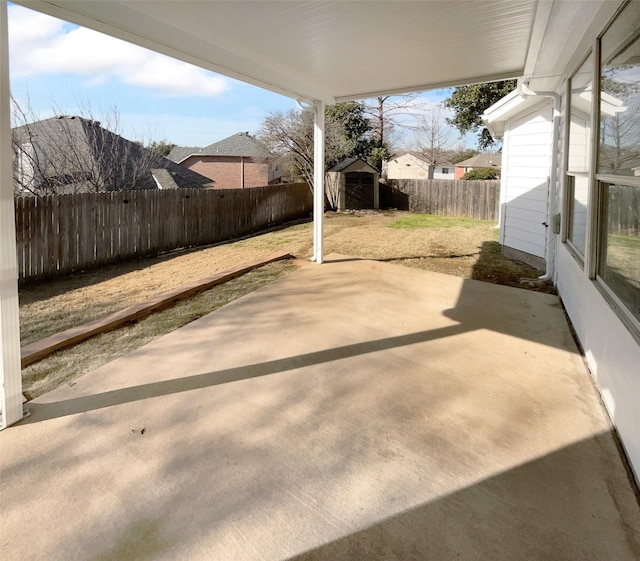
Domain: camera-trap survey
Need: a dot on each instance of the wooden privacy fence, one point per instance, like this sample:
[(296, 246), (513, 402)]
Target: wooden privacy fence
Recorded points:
[(65, 233), (470, 199)]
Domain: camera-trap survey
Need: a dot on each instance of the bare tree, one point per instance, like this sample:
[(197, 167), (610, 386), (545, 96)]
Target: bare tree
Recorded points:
[(289, 137), (620, 123), (620, 142), (433, 136), (70, 154), (386, 113)]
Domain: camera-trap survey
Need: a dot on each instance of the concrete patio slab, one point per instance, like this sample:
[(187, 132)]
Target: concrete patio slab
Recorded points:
[(355, 410)]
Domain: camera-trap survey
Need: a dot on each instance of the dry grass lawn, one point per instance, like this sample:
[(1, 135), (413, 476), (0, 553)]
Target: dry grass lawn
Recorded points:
[(461, 247)]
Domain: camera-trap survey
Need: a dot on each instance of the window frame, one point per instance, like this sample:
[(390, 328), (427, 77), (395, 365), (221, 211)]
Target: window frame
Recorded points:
[(631, 322), (569, 176), (598, 216)]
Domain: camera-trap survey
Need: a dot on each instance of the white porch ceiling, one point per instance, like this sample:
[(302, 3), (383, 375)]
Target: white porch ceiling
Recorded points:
[(337, 50)]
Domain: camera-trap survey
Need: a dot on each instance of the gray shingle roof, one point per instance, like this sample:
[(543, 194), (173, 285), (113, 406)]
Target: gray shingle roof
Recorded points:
[(240, 144), (237, 145), (344, 164), (179, 153), (482, 161), (184, 177), (164, 178), (99, 149)]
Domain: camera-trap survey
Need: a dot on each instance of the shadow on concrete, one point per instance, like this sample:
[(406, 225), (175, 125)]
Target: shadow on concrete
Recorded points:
[(46, 411), (541, 510), (456, 449), (475, 309)]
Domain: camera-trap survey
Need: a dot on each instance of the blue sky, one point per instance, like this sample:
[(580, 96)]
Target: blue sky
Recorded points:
[(57, 67)]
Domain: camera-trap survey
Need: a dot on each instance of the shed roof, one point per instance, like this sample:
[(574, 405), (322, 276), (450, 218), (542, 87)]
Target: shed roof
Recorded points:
[(347, 163)]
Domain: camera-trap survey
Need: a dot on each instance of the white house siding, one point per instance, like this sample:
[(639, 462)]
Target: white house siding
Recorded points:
[(524, 184), (611, 352), (613, 355), (438, 173)]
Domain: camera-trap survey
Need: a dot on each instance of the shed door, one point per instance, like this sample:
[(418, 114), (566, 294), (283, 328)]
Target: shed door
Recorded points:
[(359, 189)]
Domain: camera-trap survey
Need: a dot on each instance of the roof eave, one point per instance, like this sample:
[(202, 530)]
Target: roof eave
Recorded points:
[(480, 79), (290, 86)]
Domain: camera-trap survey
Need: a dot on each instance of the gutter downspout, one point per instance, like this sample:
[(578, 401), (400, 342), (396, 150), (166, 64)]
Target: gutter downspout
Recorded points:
[(549, 257)]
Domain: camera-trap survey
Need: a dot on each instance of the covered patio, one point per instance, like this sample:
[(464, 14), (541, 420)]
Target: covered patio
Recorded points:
[(358, 410), (312, 63)]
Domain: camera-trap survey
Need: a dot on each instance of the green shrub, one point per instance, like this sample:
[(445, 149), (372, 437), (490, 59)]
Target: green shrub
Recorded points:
[(482, 174)]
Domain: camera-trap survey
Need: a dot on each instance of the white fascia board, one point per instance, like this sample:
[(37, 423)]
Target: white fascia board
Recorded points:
[(560, 52), (196, 154), (88, 14), (502, 105), (494, 118), (543, 14), (510, 106)]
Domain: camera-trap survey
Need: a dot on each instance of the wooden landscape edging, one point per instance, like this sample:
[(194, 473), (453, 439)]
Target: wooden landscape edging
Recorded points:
[(35, 352)]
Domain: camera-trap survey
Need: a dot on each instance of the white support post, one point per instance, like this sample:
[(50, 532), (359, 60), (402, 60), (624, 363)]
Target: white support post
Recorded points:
[(10, 374), (318, 180)]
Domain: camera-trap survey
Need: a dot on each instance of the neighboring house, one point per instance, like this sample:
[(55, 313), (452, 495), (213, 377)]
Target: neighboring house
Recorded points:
[(444, 170), (70, 154), (414, 165), (354, 184), (479, 161), (236, 162)]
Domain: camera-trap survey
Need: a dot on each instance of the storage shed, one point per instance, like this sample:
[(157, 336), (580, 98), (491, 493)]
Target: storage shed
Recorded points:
[(356, 184)]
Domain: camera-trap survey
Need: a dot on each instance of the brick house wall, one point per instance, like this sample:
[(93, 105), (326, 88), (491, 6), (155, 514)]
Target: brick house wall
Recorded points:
[(460, 171), (228, 171)]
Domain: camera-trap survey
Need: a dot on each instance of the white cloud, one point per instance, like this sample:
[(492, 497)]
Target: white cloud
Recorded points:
[(40, 44)]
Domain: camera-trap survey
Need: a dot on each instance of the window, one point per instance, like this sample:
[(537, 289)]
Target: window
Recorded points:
[(618, 187), (619, 248), (579, 157), (620, 96)]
